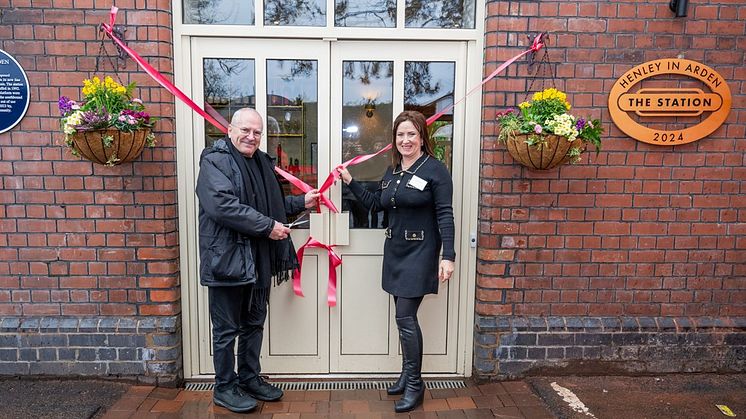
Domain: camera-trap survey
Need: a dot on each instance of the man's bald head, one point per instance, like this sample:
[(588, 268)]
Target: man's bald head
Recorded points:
[(245, 131)]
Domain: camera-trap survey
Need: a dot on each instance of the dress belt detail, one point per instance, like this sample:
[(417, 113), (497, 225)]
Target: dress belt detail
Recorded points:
[(409, 235)]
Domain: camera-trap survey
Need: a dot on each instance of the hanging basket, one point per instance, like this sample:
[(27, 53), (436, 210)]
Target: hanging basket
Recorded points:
[(110, 146), (546, 152)]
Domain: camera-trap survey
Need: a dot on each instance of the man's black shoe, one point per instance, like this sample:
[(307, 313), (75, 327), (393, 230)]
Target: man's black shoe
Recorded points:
[(262, 390), (234, 399)]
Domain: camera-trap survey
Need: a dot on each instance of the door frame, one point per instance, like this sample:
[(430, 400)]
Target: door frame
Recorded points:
[(187, 159)]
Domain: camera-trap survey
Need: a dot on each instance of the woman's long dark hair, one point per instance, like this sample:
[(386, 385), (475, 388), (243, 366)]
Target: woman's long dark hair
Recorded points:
[(420, 123)]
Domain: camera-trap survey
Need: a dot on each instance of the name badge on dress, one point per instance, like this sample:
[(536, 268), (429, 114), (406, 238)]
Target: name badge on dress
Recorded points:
[(417, 183)]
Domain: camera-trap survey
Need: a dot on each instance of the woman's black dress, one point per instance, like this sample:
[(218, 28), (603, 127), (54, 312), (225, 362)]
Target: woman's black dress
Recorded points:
[(418, 203)]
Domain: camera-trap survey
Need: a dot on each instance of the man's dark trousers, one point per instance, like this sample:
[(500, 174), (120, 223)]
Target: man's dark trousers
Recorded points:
[(237, 312)]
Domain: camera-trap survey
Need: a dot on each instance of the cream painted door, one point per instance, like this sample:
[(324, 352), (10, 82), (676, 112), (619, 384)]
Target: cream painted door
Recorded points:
[(326, 102), (287, 82), (372, 82)]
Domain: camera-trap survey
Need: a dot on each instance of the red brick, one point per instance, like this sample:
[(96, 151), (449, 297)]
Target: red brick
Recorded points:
[(118, 309), (159, 309), (161, 296)]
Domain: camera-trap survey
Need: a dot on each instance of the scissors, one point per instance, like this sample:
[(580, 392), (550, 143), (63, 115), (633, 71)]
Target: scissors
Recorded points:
[(298, 221)]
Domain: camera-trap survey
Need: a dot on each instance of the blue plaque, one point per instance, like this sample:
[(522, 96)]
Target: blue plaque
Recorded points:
[(14, 92)]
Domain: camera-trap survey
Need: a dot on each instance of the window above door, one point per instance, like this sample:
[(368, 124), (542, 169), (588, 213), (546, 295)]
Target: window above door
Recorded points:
[(432, 19)]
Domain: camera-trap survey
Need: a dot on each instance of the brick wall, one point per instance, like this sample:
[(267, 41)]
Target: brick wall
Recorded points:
[(639, 231), (89, 263)]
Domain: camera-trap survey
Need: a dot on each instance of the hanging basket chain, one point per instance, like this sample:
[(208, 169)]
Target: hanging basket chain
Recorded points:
[(103, 53), (542, 68)]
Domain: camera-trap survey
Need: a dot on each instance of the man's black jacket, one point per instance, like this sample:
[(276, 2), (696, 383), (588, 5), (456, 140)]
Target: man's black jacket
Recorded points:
[(226, 226)]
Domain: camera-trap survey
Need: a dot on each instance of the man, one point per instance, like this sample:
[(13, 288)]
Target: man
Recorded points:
[(243, 245)]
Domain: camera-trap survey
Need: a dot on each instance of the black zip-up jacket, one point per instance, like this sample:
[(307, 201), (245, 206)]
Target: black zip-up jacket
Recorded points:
[(226, 226)]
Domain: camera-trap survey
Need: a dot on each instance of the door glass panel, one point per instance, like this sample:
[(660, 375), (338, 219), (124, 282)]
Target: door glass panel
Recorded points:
[(292, 119), (447, 14), (219, 12), (428, 88), (228, 87), (367, 107), (365, 13), (295, 13)]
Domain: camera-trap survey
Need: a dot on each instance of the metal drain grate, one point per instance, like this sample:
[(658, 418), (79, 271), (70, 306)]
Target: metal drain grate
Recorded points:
[(338, 385)]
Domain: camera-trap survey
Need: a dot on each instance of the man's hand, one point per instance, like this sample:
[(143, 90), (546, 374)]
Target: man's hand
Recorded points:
[(446, 270), (312, 198), (279, 231)]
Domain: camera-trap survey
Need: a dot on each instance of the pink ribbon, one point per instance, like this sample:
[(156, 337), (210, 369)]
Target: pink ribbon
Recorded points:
[(536, 45), (334, 261), (303, 186), (157, 76), (334, 175)]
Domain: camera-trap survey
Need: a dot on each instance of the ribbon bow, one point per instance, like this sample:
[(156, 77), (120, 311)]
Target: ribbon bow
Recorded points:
[(334, 261)]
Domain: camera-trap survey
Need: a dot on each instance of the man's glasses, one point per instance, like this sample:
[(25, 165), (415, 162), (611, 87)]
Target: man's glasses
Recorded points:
[(248, 131)]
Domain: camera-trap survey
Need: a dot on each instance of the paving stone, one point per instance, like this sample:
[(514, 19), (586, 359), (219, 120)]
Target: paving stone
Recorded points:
[(435, 405), (442, 393), (302, 407), (316, 395), (507, 413), (276, 407), (452, 414), (478, 413), (461, 403), (492, 388), (487, 401), (355, 406)]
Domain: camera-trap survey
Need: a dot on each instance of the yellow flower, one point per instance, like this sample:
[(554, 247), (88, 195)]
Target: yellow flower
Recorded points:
[(110, 84), (524, 105)]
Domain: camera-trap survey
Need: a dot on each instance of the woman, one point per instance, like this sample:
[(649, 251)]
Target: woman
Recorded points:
[(416, 193)]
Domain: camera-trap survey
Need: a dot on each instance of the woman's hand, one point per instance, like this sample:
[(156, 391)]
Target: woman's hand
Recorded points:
[(312, 198), (446, 270), (344, 174)]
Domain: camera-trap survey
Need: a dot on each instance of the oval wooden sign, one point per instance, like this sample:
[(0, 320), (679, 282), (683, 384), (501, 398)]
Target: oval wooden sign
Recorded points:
[(690, 101)]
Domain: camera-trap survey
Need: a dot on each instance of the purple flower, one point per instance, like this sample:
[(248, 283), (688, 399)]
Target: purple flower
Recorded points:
[(580, 124), (94, 120), (537, 129), (65, 105)]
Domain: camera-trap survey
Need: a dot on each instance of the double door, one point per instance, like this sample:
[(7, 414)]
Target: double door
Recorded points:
[(326, 102)]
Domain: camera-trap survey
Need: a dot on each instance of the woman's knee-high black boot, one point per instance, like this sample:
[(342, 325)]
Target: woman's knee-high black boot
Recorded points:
[(398, 386), (411, 344)]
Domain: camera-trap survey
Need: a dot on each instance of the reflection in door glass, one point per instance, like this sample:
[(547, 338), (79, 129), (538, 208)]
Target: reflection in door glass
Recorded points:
[(446, 14), (365, 13), (367, 107), (295, 12), (219, 12), (428, 88), (292, 119), (228, 87)]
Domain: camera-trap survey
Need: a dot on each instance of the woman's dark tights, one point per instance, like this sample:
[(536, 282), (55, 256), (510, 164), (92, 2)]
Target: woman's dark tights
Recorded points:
[(407, 307)]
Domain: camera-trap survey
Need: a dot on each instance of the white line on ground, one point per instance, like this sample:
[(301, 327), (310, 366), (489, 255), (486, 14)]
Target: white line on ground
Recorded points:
[(571, 399)]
